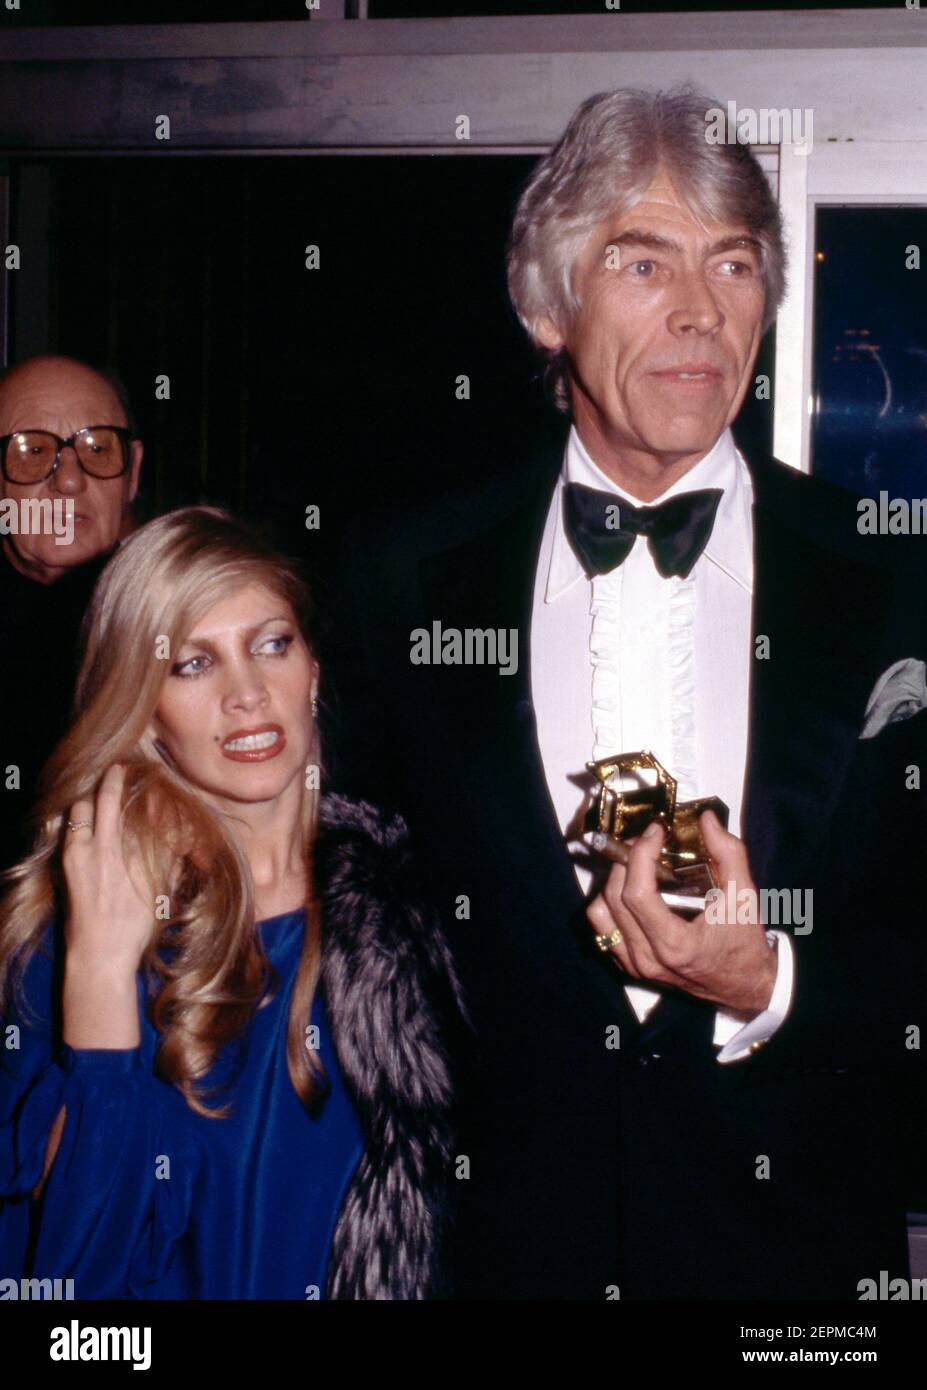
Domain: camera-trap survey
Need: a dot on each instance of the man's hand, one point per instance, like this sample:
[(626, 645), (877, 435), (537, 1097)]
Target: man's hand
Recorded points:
[(729, 964)]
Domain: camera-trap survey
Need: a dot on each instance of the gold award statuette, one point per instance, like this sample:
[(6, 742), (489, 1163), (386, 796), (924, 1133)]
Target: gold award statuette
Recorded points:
[(685, 868)]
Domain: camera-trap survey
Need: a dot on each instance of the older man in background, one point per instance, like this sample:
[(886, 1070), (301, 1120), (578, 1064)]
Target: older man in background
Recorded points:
[(69, 472)]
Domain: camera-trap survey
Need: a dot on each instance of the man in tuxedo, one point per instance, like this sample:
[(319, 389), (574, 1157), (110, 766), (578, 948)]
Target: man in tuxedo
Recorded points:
[(655, 1107)]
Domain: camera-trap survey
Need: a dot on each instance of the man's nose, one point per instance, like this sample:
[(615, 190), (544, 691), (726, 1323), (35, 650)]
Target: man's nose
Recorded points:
[(69, 478), (697, 310)]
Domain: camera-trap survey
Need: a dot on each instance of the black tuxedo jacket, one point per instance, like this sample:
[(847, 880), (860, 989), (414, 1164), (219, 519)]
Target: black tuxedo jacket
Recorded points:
[(649, 1167)]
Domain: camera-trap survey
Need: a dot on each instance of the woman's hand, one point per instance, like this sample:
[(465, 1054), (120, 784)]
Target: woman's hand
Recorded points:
[(111, 909)]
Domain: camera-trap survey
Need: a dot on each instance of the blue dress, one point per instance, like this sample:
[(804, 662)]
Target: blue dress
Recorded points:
[(147, 1199)]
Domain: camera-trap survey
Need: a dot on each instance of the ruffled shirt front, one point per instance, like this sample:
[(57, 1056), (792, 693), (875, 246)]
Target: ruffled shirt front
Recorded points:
[(648, 633), (631, 660), (146, 1198)]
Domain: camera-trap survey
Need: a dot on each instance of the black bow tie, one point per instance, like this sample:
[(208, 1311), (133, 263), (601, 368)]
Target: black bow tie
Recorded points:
[(602, 528)]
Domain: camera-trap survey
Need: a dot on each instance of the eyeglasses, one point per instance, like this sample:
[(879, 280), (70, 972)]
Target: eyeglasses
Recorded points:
[(31, 456)]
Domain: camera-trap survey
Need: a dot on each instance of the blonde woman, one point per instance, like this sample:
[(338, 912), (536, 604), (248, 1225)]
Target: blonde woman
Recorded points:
[(222, 1067)]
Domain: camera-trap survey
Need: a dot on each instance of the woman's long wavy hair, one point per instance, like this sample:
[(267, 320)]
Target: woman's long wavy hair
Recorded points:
[(204, 965)]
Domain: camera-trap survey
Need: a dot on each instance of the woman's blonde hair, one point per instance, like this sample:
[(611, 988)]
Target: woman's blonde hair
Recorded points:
[(206, 955)]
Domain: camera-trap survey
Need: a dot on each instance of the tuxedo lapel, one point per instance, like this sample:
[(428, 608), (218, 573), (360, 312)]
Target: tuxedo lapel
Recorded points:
[(823, 614), (487, 581)]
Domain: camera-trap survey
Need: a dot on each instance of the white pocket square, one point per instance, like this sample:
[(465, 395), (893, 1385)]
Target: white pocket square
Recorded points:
[(898, 693)]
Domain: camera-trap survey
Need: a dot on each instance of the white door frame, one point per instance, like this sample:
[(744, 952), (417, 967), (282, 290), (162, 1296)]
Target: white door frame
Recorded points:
[(854, 173)]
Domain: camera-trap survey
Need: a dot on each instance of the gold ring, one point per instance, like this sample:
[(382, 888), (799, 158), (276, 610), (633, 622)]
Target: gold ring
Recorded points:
[(605, 943), (80, 824)]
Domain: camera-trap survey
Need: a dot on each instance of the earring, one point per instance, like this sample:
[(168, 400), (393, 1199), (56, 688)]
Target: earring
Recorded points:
[(315, 707)]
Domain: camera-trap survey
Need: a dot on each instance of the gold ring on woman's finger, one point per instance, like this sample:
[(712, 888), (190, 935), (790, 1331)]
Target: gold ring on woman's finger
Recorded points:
[(605, 943), (80, 824)]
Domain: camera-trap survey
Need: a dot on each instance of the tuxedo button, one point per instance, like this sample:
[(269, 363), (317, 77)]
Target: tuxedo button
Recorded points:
[(647, 1058)]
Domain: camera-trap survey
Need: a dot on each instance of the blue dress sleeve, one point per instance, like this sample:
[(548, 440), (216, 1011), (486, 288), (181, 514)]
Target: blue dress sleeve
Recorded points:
[(119, 1194)]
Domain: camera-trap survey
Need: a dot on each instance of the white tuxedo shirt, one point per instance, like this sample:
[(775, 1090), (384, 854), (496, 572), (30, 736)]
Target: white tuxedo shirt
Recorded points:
[(630, 660)]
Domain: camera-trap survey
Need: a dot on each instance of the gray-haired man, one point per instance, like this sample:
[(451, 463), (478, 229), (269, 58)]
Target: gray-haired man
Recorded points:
[(679, 1109)]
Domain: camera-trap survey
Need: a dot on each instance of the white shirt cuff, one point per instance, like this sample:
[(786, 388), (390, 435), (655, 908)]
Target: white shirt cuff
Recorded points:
[(737, 1039), (734, 1037)]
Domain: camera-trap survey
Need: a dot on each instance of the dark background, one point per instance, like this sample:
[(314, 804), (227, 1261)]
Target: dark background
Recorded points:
[(870, 350), (291, 386)]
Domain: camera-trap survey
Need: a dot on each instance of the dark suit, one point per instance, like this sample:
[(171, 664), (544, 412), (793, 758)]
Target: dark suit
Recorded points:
[(39, 637), (591, 1166)]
